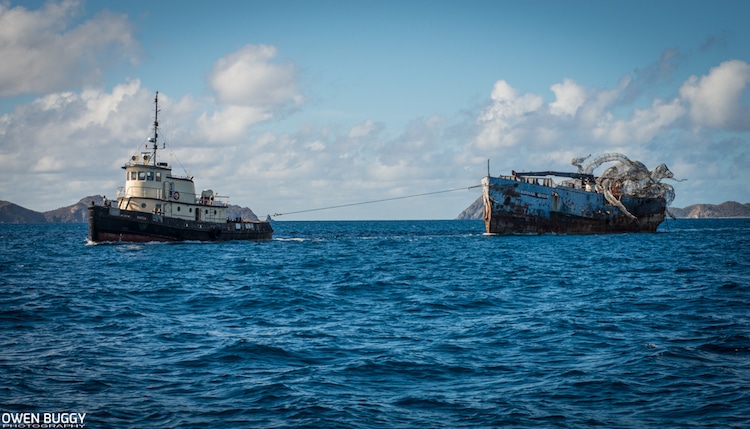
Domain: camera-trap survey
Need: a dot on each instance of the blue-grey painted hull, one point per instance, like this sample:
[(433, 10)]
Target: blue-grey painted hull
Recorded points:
[(515, 206)]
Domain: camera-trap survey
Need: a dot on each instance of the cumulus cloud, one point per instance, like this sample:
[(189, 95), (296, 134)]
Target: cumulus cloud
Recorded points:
[(46, 50), (365, 129), (642, 126), (502, 120), (248, 77), (507, 103), (607, 117), (250, 88), (231, 122), (67, 144), (73, 123), (569, 98), (716, 99)]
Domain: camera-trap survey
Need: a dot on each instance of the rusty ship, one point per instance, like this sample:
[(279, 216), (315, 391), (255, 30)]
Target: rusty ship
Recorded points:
[(157, 205), (626, 197)]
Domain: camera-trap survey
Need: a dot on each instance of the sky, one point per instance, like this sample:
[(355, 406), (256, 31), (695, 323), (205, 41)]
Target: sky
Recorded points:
[(291, 106)]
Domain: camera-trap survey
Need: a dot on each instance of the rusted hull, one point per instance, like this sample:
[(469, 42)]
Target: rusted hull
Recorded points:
[(514, 207), (107, 224)]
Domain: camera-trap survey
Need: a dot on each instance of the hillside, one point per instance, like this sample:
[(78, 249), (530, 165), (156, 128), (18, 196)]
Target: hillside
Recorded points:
[(78, 212), (474, 212), (12, 213), (728, 209), (723, 210)]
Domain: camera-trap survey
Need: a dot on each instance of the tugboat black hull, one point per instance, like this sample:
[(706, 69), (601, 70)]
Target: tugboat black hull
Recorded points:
[(110, 224)]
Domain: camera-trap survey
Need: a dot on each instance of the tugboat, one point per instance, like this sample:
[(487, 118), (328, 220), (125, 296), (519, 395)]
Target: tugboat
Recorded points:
[(155, 205), (627, 197)]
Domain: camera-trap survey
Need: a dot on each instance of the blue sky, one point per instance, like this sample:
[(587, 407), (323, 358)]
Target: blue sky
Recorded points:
[(292, 105)]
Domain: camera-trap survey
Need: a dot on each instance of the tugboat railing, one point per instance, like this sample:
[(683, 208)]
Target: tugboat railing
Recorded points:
[(140, 192), (159, 194)]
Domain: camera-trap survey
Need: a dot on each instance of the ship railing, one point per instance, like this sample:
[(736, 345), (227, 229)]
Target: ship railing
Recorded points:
[(221, 200), (141, 192), (214, 201), (544, 181)]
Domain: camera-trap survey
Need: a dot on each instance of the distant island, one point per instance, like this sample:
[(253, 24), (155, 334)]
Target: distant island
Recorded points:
[(78, 212), (728, 209)]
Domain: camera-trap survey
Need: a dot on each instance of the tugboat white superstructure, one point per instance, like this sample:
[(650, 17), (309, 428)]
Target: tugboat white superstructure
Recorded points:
[(156, 205)]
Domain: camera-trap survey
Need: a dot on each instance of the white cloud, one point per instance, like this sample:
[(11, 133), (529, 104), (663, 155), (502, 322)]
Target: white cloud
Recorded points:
[(502, 122), (642, 126), (315, 146), (49, 145), (569, 98), (365, 129), (597, 111), (507, 104), (250, 88), (591, 119), (44, 50), (231, 123), (101, 106), (716, 99), (249, 78), (69, 123)]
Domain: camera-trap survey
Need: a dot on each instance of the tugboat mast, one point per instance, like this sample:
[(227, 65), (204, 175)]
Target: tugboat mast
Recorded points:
[(155, 138)]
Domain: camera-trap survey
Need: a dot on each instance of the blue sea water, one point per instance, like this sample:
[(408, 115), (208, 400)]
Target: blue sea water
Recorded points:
[(385, 324)]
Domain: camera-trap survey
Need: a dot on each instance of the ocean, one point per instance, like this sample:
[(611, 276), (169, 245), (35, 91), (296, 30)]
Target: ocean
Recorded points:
[(382, 324)]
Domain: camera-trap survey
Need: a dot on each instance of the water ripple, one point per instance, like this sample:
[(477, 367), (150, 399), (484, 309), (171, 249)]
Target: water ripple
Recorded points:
[(381, 324)]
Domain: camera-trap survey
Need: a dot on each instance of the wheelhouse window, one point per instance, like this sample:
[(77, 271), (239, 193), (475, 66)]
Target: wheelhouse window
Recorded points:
[(133, 175), (141, 175), (150, 176), (158, 176)]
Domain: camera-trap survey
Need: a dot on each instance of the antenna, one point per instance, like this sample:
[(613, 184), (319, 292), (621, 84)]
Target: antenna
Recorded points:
[(155, 138)]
